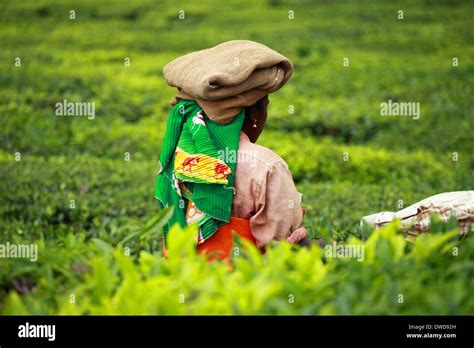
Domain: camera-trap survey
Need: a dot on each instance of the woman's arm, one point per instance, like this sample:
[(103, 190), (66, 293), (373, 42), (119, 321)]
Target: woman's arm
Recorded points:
[(278, 206)]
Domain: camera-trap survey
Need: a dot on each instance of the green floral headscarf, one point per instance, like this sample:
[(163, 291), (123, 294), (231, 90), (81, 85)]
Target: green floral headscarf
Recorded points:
[(198, 161)]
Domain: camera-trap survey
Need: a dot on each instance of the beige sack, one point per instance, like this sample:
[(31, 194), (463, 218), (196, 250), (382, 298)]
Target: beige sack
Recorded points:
[(416, 218), (227, 77)]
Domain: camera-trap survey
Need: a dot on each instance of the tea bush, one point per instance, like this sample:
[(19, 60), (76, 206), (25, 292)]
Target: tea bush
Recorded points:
[(390, 276)]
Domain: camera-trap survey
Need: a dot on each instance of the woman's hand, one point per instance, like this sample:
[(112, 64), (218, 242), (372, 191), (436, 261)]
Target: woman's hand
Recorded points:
[(297, 235)]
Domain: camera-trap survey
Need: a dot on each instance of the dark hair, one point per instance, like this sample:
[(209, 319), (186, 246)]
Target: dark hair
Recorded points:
[(260, 104)]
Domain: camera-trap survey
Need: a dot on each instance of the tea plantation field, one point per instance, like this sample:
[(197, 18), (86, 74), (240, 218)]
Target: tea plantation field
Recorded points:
[(77, 186)]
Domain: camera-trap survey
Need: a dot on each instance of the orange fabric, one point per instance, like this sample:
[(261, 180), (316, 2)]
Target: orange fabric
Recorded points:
[(163, 248), (220, 245)]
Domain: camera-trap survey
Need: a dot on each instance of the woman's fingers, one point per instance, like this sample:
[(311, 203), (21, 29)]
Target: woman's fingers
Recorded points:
[(297, 235)]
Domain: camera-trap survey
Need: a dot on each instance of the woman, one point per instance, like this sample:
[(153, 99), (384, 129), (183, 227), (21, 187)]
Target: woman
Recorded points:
[(212, 172)]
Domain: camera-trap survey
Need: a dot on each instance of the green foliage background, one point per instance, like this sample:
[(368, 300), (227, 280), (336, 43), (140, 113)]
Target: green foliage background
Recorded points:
[(336, 111)]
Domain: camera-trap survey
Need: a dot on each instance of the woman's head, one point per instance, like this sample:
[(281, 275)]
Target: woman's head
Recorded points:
[(255, 118)]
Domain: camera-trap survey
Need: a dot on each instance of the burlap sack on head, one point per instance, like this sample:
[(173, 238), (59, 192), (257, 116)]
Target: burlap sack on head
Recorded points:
[(227, 77)]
